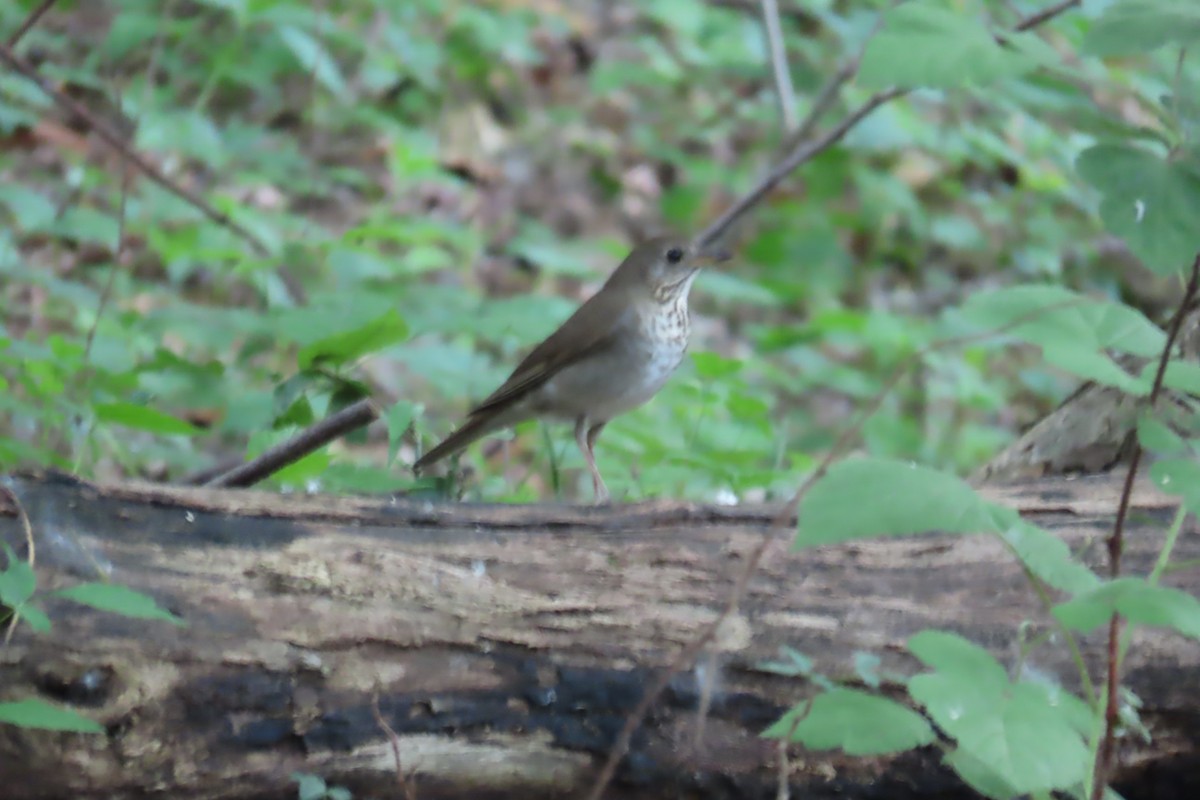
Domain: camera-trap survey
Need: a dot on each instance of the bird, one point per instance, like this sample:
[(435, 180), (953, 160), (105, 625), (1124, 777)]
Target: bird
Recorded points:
[(611, 356)]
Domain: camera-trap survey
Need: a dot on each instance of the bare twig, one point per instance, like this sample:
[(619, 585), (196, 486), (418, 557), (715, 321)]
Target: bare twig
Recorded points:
[(779, 64), (203, 476), (1116, 542), (831, 90), (29, 22), (407, 789), (1045, 15), (801, 155), (806, 150), (126, 178), (352, 417)]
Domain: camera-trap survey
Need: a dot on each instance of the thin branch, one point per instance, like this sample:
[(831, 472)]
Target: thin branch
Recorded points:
[(805, 150), (352, 417), (832, 89), (801, 155), (1045, 15), (407, 790), (29, 22), (203, 476), (106, 294), (1116, 543), (779, 64)]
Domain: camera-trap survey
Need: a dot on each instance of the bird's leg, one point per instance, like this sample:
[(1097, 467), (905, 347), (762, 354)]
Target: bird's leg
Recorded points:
[(586, 439)]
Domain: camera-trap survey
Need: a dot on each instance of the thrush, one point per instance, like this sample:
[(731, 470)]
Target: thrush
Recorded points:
[(611, 356)]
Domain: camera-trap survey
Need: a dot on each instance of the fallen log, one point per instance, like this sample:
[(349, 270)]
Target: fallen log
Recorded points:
[(506, 645)]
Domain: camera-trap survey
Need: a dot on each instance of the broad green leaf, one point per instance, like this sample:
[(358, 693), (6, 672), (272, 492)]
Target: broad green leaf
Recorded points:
[(954, 655), (860, 723), (1048, 557), (1157, 437), (979, 775), (1028, 736), (866, 497), (1179, 477), (925, 45), (1053, 316), (351, 345), (1137, 601), (119, 600), (1151, 203), (43, 716), (1139, 26), (1181, 375), (1093, 365), (132, 415)]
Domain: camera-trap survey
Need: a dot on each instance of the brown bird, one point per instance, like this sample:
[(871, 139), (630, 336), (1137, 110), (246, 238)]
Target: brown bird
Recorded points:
[(612, 355)]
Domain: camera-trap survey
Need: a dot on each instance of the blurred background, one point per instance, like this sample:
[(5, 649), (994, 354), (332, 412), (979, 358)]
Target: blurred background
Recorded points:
[(462, 174)]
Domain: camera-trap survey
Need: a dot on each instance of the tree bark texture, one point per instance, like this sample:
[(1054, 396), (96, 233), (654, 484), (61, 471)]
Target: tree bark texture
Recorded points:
[(506, 645)]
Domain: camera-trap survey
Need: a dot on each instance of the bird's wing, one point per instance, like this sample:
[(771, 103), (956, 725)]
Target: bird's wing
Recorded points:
[(594, 326)]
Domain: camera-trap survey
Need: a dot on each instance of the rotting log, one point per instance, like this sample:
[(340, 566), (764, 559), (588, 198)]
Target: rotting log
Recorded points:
[(507, 644)]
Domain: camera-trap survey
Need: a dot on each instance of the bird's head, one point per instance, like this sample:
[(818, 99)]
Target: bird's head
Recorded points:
[(664, 266)]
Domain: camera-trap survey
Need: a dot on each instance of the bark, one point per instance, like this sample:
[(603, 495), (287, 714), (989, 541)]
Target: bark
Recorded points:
[(507, 644)]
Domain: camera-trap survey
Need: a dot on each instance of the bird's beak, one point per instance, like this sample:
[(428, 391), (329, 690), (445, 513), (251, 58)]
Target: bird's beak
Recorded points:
[(711, 256)]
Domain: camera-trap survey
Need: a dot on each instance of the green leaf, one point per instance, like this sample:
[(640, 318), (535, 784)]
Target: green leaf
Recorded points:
[(1048, 557), (119, 600), (1136, 600), (1027, 734), (17, 582), (34, 617), (1093, 365), (1053, 316), (398, 418), (340, 348), (1179, 477), (143, 418), (867, 497), (43, 716), (1149, 202), (1183, 376), (1139, 26), (924, 45), (857, 722), (1157, 437)]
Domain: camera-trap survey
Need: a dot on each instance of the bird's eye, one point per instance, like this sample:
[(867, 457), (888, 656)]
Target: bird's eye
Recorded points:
[(674, 255)]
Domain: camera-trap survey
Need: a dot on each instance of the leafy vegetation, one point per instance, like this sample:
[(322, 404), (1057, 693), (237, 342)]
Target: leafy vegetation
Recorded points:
[(394, 200)]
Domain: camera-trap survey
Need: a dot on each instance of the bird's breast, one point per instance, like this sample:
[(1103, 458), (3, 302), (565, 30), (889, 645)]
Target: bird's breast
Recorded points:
[(626, 375)]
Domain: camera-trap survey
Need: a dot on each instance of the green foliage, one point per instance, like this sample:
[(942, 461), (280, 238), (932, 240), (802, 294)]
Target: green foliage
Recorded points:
[(43, 716), (921, 44), (1018, 737), (19, 600), (859, 723), (444, 183), (119, 600)]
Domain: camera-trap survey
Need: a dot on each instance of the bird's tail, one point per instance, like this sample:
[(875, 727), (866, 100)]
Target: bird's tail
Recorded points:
[(476, 427)]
